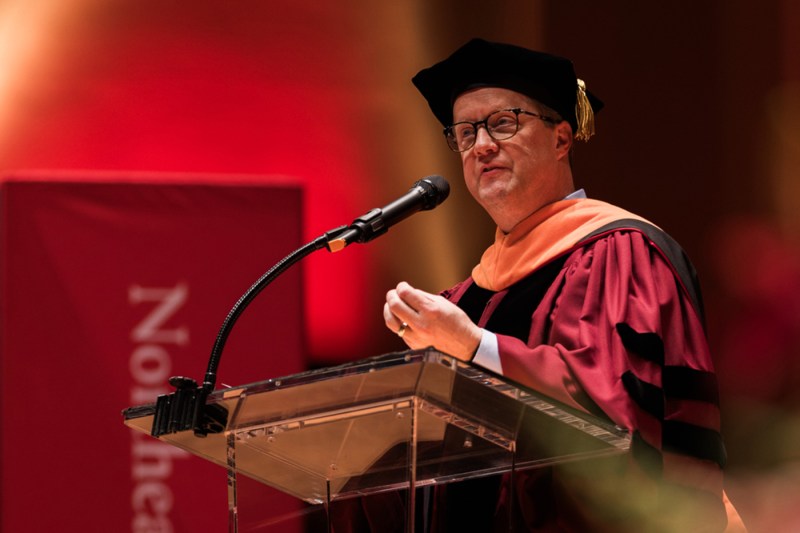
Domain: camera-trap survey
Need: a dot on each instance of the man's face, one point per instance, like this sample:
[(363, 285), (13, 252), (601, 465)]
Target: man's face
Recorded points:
[(513, 178)]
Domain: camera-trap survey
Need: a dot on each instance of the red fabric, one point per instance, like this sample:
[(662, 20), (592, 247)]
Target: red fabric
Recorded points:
[(575, 355), (109, 287), (573, 349)]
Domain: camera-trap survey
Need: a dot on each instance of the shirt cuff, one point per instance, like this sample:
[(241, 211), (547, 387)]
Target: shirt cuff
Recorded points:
[(488, 354)]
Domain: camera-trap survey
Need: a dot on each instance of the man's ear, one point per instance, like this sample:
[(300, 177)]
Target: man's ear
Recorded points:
[(564, 139)]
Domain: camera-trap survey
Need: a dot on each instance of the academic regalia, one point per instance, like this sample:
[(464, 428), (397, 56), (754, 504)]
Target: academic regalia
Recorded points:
[(611, 323)]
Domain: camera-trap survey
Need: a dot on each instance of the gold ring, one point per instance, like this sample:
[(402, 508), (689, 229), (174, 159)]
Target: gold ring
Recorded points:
[(402, 330)]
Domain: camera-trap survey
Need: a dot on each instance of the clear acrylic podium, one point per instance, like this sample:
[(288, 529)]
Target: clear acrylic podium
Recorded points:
[(392, 422)]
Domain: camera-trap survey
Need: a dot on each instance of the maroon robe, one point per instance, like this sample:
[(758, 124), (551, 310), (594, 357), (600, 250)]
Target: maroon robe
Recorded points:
[(614, 327)]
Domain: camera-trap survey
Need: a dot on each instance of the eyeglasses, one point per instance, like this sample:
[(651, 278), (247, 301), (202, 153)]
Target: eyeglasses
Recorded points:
[(500, 125)]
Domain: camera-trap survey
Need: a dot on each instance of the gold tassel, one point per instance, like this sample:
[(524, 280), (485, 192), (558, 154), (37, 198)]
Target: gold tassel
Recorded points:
[(583, 114)]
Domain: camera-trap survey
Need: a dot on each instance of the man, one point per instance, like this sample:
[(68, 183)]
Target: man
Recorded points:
[(577, 299)]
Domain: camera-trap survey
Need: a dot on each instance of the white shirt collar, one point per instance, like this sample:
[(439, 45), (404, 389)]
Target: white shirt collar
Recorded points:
[(580, 193)]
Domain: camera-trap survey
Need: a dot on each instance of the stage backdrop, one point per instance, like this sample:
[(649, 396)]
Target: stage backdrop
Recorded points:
[(110, 285)]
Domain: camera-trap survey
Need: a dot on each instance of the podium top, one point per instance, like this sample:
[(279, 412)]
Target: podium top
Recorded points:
[(379, 423)]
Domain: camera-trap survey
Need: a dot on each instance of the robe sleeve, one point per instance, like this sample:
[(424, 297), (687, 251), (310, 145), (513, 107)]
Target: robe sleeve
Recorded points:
[(617, 333)]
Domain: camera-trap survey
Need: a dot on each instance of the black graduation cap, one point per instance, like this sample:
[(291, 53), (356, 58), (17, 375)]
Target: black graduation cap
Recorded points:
[(544, 77)]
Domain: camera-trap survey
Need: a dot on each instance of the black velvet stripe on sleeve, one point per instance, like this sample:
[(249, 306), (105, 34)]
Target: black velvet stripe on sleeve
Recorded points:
[(648, 397), (646, 345), (685, 383), (689, 439), (676, 436), (677, 383)]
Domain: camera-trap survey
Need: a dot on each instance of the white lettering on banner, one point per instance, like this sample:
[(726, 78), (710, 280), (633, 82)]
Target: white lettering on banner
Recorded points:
[(150, 365), (169, 300)]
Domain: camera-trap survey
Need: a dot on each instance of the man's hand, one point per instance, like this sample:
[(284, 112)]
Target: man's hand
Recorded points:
[(430, 320)]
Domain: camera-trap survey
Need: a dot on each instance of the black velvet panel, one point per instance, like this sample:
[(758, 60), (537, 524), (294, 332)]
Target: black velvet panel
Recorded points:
[(513, 313)]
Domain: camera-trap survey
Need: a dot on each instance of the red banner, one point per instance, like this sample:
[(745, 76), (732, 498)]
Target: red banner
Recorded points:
[(110, 285)]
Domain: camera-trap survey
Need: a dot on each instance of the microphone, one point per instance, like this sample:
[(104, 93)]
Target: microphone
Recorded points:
[(425, 194)]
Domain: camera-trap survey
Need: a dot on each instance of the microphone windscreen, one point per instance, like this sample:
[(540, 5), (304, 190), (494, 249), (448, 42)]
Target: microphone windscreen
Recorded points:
[(436, 190)]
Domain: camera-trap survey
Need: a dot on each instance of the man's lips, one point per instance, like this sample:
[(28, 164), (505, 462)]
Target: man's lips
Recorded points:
[(491, 169)]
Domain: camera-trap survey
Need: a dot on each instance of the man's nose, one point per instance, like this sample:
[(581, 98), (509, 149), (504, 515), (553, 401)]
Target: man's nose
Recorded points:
[(483, 141)]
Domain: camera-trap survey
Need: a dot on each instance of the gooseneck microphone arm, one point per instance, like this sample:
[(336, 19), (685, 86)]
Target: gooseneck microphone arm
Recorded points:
[(186, 408), (425, 194), (250, 295)]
